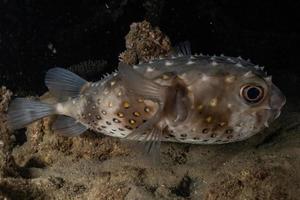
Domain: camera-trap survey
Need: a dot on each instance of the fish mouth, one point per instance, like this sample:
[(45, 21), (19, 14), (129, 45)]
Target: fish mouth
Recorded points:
[(276, 113), (278, 100)]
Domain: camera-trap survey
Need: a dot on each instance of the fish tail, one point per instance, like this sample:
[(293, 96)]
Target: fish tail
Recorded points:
[(23, 111)]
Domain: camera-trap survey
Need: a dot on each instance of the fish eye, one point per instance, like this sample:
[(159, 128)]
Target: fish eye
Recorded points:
[(252, 93)]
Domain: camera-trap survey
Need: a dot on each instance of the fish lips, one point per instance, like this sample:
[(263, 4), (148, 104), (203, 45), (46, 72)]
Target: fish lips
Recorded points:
[(277, 101)]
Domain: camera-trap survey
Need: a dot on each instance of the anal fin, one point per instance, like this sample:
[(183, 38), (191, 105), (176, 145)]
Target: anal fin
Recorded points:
[(68, 126)]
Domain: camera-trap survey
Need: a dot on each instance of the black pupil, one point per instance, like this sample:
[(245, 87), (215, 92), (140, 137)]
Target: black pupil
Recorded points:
[(253, 93)]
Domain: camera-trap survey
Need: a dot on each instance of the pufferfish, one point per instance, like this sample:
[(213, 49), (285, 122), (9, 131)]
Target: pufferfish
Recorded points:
[(182, 98)]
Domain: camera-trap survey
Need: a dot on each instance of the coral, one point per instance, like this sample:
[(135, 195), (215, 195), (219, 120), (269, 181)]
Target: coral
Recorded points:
[(144, 42), (7, 163), (5, 137)]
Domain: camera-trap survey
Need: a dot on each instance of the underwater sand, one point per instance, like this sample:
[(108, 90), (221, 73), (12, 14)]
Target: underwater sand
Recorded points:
[(38, 164)]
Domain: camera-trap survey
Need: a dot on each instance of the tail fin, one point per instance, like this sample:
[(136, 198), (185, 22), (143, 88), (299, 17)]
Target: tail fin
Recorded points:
[(22, 112)]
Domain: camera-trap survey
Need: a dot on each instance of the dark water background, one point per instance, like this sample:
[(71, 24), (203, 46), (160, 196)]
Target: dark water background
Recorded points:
[(267, 32)]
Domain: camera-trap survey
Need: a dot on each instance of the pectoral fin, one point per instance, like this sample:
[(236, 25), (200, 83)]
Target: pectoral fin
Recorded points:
[(148, 135), (148, 138), (140, 85), (148, 143)]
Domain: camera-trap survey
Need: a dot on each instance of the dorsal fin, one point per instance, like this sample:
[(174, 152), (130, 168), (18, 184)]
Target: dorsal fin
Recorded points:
[(63, 83)]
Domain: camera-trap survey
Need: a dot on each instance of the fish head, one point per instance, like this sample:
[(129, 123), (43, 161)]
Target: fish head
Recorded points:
[(259, 97), (240, 103)]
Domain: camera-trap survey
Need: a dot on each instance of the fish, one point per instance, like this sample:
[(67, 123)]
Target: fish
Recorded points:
[(184, 98)]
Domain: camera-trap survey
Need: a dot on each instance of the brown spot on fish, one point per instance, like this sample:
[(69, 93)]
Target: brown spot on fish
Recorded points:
[(140, 100), (171, 135), (108, 123), (200, 107), (209, 119), (213, 135), (120, 114), (121, 129), (98, 117), (213, 102), (229, 137), (112, 83), (228, 131), (126, 104), (132, 121), (106, 92), (102, 126), (183, 135), (116, 120), (103, 112), (222, 124), (136, 114), (147, 109), (110, 105), (205, 130)]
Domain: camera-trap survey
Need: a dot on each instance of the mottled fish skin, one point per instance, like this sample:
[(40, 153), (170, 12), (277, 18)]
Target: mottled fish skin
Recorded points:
[(183, 98), (208, 91), (109, 108)]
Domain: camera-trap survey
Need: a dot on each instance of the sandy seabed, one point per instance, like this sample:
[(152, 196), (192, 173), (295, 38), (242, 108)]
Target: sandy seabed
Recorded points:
[(37, 164)]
